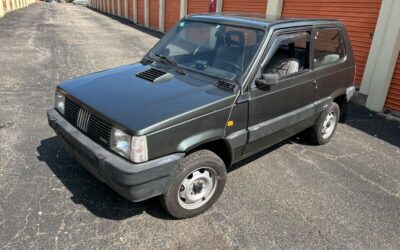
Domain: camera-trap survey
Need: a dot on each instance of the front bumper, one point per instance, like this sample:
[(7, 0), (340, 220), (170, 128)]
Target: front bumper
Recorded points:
[(136, 182)]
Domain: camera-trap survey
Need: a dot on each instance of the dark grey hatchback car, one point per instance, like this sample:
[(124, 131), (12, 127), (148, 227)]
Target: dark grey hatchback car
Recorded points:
[(213, 91)]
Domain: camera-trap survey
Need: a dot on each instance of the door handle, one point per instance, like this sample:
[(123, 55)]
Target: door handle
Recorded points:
[(315, 84)]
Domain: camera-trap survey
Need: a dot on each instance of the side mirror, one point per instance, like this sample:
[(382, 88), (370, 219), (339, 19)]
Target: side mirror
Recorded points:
[(267, 80)]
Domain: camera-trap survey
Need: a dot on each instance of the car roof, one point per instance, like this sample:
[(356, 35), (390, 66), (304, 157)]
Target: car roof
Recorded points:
[(255, 20)]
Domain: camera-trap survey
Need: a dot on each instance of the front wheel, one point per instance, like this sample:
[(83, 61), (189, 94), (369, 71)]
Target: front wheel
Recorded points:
[(326, 125), (196, 185)]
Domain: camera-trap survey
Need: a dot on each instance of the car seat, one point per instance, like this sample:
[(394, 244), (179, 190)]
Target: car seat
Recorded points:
[(231, 52), (284, 62)]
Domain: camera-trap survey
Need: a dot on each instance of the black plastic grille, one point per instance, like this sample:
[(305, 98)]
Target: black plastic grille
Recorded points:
[(97, 129)]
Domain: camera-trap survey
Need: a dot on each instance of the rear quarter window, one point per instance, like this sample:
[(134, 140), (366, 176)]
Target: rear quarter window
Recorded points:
[(328, 47)]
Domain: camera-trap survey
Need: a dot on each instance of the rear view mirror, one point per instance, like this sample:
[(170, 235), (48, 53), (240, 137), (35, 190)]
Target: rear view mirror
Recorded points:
[(267, 80)]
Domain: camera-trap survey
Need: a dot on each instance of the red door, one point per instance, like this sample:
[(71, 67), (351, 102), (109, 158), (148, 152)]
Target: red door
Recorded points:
[(153, 13), (359, 17), (393, 96), (172, 9), (198, 6), (130, 9), (109, 6), (116, 7), (254, 6), (122, 4), (140, 11)]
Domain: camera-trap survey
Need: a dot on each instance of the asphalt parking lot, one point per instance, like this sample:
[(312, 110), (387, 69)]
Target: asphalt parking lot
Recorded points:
[(345, 194)]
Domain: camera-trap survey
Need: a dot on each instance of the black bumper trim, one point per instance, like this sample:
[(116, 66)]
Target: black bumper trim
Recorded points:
[(136, 182)]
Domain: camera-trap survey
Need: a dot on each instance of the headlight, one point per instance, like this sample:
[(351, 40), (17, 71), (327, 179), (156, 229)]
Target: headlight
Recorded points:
[(130, 147), (60, 102), (120, 142)]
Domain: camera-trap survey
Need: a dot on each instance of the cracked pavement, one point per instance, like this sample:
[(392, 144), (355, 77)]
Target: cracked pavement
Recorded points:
[(345, 194)]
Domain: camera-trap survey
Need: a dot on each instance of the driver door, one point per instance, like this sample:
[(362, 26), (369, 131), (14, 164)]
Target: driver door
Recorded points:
[(285, 108)]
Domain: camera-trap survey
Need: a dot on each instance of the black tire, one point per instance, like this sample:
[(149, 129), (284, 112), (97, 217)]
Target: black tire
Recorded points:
[(317, 135), (202, 159)]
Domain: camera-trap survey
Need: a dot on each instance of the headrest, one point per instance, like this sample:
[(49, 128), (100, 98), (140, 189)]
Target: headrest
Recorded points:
[(235, 38)]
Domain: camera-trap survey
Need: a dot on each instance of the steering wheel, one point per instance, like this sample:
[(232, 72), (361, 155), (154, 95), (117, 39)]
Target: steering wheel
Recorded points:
[(232, 65)]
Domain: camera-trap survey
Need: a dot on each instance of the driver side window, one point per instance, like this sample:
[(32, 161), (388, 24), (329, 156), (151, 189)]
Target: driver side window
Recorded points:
[(291, 55)]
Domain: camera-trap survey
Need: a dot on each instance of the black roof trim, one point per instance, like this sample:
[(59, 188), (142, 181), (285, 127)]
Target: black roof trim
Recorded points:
[(254, 20)]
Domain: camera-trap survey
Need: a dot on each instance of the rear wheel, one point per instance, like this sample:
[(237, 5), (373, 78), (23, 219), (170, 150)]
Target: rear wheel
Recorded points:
[(326, 125), (196, 185)]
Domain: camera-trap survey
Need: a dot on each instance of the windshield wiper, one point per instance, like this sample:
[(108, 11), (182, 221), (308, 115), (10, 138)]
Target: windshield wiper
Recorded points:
[(171, 63), (228, 85)]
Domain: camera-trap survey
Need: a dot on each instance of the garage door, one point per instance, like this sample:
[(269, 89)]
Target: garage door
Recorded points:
[(171, 13), (153, 17), (393, 97), (116, 7), (254, 6), (359, 16), (122, 4), (130, 9), (140, 11), (198, 6)]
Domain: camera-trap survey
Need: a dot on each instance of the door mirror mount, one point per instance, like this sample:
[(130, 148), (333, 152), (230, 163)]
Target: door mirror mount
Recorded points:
[(267, 80)]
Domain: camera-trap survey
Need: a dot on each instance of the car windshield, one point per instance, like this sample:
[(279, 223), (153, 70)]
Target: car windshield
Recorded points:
[(217, 50)]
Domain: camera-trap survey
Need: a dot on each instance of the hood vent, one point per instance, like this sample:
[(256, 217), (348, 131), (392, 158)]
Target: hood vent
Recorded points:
[(154, 75)]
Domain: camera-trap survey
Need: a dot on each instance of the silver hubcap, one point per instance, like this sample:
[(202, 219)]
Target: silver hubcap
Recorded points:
[(329, 125), (197, 188)]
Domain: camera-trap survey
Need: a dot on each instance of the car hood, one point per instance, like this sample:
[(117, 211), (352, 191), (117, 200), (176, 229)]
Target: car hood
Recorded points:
[(142, 106)]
